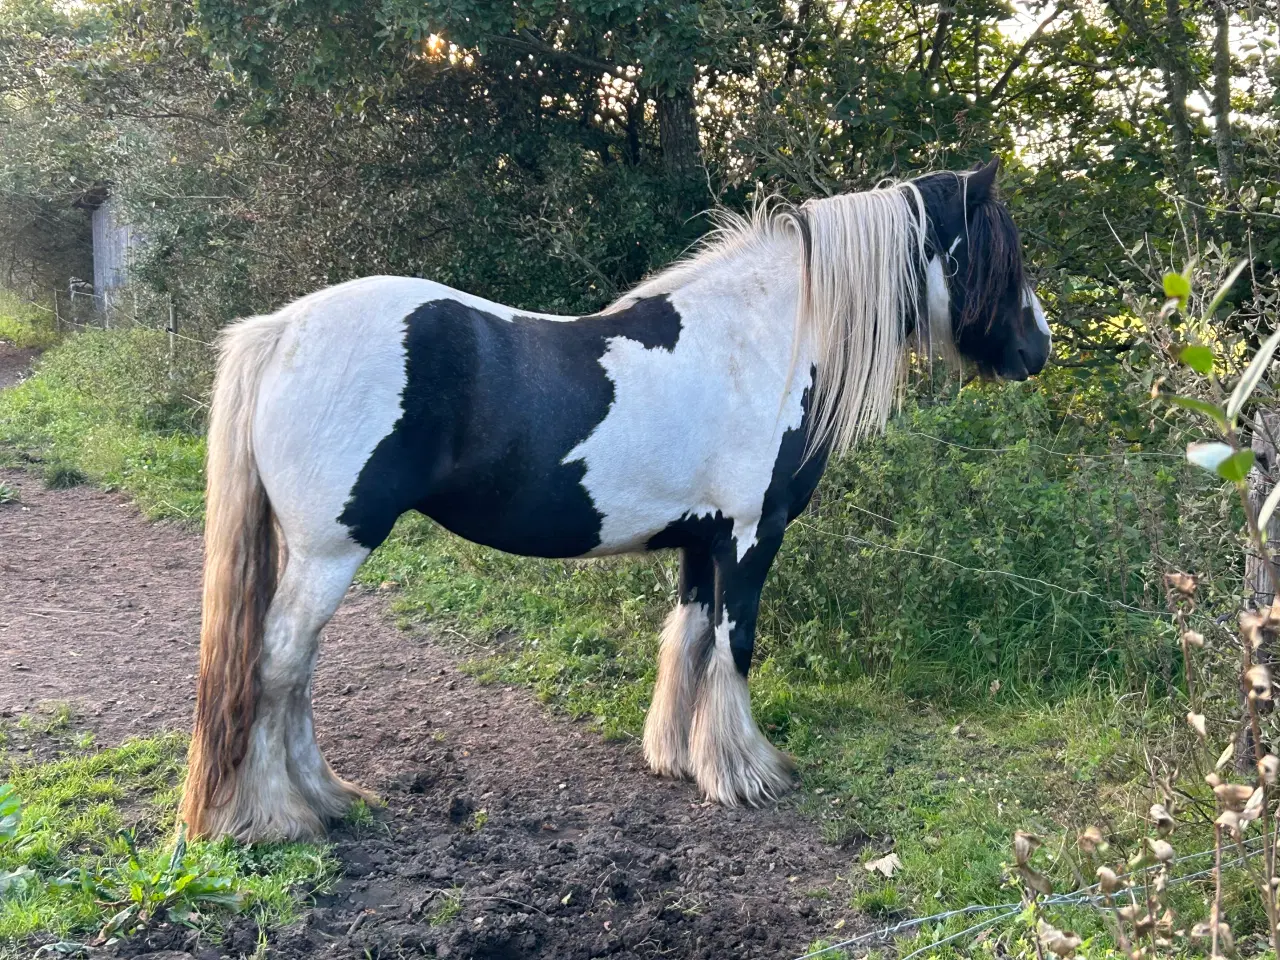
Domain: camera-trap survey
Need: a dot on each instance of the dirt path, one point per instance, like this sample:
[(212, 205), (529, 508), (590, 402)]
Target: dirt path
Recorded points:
[(583, 853), (14, 363)]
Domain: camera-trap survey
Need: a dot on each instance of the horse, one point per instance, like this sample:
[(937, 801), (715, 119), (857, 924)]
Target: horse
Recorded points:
[(696, 413)]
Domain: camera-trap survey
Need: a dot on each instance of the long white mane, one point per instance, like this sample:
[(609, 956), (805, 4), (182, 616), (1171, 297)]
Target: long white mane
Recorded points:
[(861, 259)]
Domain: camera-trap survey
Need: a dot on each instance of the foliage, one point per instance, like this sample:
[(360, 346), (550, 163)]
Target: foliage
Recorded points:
[(104, 405), (460, 139), (179, 889), (1200, 788), (25, 325), (91, 851)]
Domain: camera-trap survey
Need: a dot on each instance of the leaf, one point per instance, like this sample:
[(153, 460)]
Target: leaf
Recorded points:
[(1269, 507), (1198, 357), (1177, 287), (15, 881), (1208, 455), (886, 866), (10, 812), (1210, 410), (1236, 467), (1252, 374), (1225, 757), (1225, 289)]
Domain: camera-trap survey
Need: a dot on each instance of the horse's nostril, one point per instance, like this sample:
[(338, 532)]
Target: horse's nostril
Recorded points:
[(1033, 359)]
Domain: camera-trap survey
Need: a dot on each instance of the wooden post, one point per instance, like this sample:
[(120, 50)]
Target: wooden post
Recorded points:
[(57, 317), (1259, 584), (173, 330)]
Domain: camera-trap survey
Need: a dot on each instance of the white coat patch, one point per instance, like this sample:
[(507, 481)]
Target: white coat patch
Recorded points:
[(939, 299), (1029, 299), (684, 434)]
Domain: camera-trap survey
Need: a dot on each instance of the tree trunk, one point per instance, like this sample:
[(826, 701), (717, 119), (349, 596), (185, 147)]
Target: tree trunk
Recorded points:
[(945, 13), (1177, 85), (678, 134), (1222, 95)]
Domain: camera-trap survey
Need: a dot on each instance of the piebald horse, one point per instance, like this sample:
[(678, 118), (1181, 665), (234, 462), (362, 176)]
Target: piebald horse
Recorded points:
[(696, 414)]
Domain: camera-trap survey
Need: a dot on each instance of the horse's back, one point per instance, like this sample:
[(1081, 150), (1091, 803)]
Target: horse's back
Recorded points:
[(517, 430)]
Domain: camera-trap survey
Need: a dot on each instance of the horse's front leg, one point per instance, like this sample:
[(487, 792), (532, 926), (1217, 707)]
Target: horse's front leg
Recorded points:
[(733, 762), (686, 641)]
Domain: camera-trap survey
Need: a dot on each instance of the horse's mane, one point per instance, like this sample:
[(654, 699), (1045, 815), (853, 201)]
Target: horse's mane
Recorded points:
[(995, 262), (862, 255)]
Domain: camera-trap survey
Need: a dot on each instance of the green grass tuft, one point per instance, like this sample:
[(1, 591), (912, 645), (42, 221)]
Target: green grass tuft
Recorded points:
[(95, 831), (25, 325), (63, 476)]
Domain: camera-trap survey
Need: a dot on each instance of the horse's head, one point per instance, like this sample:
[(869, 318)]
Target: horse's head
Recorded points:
[(977, 294)]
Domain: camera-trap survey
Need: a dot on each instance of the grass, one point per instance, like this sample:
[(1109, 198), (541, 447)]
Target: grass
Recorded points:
[(103, 407), (944, 785), (936, 694), (83, 809), (25, 325)]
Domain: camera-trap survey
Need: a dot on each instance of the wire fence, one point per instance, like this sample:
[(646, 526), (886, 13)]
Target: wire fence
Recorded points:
[(1019, 580), (1086, 896)]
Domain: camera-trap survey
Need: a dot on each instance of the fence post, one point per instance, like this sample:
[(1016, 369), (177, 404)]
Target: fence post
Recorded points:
[(57, 317), (1256, 579), (173, 331)]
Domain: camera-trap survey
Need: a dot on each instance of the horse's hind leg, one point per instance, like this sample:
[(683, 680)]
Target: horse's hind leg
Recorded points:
[(286, 789), (686, 641)]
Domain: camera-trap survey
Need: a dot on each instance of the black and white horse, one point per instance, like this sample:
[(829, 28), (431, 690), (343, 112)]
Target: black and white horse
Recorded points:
[(696, 414)]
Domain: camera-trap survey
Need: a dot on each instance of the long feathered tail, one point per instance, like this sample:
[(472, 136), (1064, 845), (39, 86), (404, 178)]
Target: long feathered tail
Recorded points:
[(242, 557)]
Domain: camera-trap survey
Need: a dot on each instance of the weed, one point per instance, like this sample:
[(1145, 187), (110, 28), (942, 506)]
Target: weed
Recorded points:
[(61, 475), (94, 843), (8, 494), (10, 813), (359, 815), (881, 901), (181, 888), (478, 821), (450, 906)]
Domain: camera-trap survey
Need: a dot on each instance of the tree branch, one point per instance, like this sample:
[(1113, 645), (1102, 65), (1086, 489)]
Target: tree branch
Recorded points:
[(1021, 55), (534, 45), (945, 14)]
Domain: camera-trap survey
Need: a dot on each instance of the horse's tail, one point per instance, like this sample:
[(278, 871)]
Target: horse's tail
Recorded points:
[(240, 568)]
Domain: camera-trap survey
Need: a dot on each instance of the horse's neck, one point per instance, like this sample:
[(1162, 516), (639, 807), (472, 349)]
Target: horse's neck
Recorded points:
[(752, 292)]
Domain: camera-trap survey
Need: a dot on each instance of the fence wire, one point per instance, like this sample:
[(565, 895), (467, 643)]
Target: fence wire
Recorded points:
[(1085, 896)]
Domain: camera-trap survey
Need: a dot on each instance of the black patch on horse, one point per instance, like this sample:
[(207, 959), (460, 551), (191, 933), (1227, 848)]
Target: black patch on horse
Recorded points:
[(791, 486), (491, 407)]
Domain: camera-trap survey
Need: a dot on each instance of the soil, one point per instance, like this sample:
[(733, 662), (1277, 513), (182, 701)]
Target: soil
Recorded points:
[(14, 363), (507, 832)]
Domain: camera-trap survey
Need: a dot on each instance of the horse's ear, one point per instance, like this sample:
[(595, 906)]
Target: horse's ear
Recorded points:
[(981, 183)]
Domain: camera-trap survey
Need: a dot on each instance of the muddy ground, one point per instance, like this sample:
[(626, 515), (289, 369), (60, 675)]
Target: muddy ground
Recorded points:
[(14, 363), (579, 851)]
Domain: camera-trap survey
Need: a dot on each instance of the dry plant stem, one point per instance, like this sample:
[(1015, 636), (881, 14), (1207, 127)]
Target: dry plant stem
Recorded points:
[(1215, 915), (1255, 726), (1121, 938)]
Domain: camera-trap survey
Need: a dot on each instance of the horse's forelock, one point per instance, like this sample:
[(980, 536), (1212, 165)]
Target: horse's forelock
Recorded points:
[(995, 263)]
